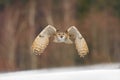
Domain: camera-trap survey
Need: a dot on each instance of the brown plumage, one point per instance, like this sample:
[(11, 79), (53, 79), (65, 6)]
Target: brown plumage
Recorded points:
[(42, 40), (39, 44), (80, 42)]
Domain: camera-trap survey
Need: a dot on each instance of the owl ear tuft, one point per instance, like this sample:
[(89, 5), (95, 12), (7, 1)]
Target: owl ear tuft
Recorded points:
[(66, 31), (57, 30)]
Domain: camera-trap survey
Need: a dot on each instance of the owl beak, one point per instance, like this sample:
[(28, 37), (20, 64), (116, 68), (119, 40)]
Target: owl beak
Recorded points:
[(61, 36)]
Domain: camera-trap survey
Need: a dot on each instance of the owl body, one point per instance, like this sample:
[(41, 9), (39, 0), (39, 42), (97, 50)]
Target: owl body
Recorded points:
[(42, 40)]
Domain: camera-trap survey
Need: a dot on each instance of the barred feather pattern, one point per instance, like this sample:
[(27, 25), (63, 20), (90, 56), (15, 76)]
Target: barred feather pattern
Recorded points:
[(39, 44), (81, 46)]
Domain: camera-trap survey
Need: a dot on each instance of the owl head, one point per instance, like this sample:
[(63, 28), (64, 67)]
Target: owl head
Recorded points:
[(62, 37)]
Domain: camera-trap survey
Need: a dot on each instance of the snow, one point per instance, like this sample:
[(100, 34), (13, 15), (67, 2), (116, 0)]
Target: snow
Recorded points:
[(94, 72)]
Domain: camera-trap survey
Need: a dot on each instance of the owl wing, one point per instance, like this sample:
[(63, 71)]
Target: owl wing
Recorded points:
[(42, 40), (80, 42)]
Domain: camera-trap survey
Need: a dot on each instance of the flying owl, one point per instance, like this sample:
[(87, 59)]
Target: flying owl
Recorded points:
[(42, 40)]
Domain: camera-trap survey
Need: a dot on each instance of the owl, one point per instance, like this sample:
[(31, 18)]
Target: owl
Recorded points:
[(42, 40)]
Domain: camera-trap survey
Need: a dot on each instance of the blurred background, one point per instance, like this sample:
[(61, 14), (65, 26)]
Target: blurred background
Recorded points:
[(22, 20)]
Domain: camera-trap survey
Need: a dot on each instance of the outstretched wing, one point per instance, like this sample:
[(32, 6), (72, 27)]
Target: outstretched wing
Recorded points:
[(42, 40), (80, 42)]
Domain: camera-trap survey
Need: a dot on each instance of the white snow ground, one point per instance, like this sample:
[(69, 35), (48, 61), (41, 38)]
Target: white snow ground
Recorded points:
[(95, 72)]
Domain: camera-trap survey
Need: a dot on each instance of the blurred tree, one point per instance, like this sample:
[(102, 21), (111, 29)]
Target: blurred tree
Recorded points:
[(21, 20)]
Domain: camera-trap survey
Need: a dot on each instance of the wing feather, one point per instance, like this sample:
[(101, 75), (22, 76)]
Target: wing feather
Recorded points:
[(48, 31), (80, 42), (42, 40), (73, 31), (81, 46)]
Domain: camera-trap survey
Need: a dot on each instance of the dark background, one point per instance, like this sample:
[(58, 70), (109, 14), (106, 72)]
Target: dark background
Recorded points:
[(22, 20)]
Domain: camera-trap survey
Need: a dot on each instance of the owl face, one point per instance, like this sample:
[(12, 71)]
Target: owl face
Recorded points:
[(61, 37)]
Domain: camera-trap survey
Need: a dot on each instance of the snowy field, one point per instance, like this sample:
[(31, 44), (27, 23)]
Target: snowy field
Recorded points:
[(94, 72)]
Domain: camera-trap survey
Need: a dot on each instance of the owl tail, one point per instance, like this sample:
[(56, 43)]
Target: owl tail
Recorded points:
[(81, 46)]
